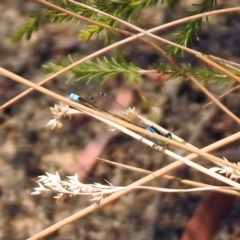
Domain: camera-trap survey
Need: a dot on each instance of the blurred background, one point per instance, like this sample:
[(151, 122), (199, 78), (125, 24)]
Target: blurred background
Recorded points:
[(29, 149)]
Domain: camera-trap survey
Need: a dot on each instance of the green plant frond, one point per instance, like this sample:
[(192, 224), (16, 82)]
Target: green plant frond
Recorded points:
[(55, 16), (211, 76), (104, 68), (28, 28), (120, 9), (171, 70), (95, 30), (202, 74), (123, 8), (83, 11), (168, 2), (186, 34), (146, 4), (205, 5)]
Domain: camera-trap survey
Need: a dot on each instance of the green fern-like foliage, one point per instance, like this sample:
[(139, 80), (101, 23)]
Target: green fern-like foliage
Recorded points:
[(103, 68), (168, 2), (33, 23), (190, 31), (49, 15), (27, 30), (202, 74), (95, 30), (122, 9)]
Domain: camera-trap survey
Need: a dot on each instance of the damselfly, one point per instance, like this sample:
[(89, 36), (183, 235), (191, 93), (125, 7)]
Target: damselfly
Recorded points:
[(109, 105)]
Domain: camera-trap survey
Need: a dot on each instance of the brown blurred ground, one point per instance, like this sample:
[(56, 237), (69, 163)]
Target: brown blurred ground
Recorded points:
[(28, 149)]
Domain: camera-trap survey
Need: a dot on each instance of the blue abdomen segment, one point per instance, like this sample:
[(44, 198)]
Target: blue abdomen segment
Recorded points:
[(74, 97), (154, 130)]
